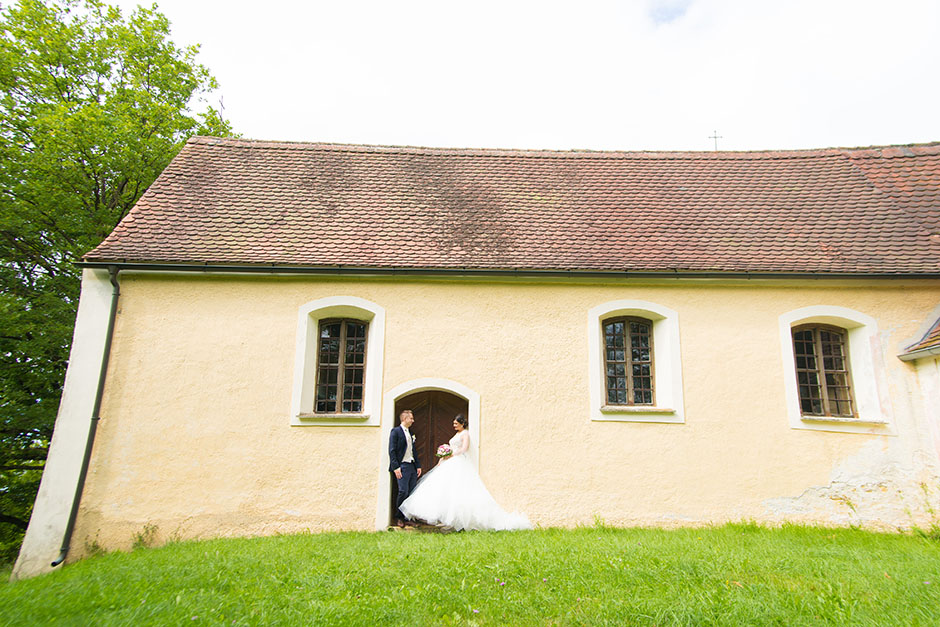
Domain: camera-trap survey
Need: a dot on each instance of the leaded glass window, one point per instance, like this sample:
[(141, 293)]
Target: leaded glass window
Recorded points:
[(341, 366), (628, 361), (822, 371)]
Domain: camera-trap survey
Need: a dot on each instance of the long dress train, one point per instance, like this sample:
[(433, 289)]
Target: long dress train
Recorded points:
[(453, 495)]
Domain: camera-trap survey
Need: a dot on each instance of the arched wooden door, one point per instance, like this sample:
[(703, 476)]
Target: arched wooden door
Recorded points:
[(434, 412)]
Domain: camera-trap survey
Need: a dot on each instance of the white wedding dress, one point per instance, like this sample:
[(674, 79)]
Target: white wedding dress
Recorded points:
[(453, 495)]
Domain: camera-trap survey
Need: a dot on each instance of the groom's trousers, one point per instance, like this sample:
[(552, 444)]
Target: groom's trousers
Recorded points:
[(406, 485)]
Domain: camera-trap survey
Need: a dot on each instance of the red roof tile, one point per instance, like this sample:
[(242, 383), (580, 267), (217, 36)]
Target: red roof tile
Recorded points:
[(232, 201), (930, 340)]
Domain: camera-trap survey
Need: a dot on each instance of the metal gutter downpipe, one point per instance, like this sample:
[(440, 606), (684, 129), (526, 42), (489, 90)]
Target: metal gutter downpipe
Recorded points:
[(93, 426)]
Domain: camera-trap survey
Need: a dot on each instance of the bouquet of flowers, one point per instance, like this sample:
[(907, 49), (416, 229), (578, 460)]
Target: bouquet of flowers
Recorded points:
[(444, 450)]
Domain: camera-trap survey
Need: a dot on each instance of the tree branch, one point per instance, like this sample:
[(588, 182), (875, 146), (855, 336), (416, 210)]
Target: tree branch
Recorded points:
[(13, 520)]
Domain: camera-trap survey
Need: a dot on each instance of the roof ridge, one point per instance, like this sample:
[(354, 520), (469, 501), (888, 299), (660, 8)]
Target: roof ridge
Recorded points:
[(900, 150)]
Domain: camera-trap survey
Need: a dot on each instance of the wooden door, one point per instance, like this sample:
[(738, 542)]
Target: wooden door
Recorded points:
[(434, 412)]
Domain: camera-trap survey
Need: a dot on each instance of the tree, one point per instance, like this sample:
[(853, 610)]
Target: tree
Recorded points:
[(93, 105)]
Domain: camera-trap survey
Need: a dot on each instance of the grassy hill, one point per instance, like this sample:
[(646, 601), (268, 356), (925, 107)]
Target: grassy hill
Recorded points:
[(734, 574)]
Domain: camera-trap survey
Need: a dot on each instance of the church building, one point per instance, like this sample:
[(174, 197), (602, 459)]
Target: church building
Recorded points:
[(643, 338)]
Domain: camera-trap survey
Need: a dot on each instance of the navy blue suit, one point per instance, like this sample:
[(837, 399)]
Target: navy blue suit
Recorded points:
[(409, 475)]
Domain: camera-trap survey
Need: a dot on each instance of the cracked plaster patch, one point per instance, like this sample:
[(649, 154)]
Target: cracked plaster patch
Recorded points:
[(872, 487)]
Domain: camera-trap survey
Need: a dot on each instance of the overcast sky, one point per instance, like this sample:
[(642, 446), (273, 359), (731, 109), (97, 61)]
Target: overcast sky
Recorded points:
[(604, 75)]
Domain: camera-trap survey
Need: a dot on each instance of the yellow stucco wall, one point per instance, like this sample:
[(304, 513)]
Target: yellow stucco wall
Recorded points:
[(195, 436)]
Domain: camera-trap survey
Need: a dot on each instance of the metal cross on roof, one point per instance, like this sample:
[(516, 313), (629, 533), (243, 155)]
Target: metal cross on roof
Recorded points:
[(716, 137)]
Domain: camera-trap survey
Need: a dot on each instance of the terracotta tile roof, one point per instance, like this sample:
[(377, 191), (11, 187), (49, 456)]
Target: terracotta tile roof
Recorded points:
[(229, 201), (930, 340)]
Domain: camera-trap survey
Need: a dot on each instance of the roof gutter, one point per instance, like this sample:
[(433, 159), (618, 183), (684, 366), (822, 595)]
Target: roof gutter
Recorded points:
[(113, 270), (477, 272), (931, 351)]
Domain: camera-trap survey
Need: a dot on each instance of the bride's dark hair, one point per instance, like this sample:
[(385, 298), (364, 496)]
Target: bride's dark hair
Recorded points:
[(461, 419)]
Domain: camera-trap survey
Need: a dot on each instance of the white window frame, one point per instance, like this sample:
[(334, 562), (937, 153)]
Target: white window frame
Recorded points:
[(667, 364), (866, 365), (306, 354)]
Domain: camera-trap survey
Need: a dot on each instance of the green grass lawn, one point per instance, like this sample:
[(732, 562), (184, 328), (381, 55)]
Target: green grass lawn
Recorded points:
[(730, 575)]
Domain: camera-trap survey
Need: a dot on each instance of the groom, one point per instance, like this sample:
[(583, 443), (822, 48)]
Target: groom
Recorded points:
[(403, 461)]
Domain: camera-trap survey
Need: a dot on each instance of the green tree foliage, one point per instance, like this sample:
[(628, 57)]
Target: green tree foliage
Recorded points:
[(93, 105)]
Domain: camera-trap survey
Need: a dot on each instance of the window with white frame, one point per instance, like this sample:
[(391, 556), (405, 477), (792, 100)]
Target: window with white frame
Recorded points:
[(634, 362), (338, 361), (833, 374)]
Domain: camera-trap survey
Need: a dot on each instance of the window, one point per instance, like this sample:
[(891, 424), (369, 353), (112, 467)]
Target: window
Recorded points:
[(822, 371), (628, 361), (338, 363), (634, 362), (834, 375), (340, 366)]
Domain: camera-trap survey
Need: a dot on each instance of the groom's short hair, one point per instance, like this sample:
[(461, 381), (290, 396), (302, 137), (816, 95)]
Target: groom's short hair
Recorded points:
[(405, 411)]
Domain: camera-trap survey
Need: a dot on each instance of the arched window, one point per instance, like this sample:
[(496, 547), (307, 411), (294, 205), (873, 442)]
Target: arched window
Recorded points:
[(628, 360), (341, 362), (338, 362), (635, 372), (822, 370), (834, 378)]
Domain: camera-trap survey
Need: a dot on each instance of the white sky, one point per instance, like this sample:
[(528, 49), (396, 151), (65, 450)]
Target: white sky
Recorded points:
[(605, 75)]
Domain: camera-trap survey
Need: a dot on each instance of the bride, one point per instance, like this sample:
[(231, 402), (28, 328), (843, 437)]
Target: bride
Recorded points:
[(453, 495)]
